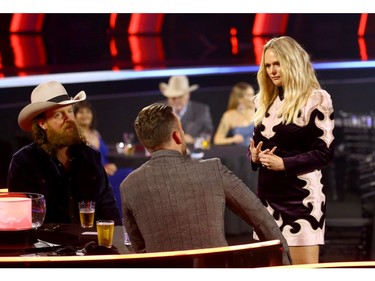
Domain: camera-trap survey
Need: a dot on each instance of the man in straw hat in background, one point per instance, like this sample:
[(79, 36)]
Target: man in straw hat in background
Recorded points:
[(194, 116), (58, 163)]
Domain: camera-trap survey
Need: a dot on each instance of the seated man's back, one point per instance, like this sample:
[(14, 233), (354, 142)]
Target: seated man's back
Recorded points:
[(175, 206), (173, 202)]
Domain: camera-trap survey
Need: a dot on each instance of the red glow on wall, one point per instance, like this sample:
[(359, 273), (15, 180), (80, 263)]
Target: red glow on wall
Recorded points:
[(362, 25), (362, 48), (145, 23), (114, 51), (146, 51), (234, 40), (135, 48), (113, 47), (112, 21), (28, 52), (1, 67), (26, 23), (258, 43), (270, 24)]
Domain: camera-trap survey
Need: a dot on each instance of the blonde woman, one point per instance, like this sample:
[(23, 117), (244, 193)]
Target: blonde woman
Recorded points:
[(292, 142), (236, 124)]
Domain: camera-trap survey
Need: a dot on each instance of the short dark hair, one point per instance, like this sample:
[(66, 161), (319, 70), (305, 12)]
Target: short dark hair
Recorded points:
[(89, 106), (155, 124)]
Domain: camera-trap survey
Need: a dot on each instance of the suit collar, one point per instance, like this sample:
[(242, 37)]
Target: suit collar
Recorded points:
[(172, 156)]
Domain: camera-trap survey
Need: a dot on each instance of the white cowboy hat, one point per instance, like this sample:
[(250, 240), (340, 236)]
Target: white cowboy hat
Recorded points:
[(48, 95), (177, 86)]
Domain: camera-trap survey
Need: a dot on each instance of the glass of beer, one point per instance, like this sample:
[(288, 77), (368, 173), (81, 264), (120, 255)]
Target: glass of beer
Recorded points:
[(86, 213), (206, 141), (105, 229)]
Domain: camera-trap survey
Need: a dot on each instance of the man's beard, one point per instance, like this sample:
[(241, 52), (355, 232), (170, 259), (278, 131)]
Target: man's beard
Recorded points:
[(69, 136)]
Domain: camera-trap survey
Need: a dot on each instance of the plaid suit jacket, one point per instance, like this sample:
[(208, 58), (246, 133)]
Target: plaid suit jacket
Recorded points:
[(173, 202)]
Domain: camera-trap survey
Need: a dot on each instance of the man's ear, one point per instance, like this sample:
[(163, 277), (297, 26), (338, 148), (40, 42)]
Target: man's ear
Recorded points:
[(176, 135), (42, 123)]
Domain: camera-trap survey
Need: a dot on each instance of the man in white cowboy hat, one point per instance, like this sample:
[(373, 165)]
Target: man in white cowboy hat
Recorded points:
[(194, 116), (58, 163)]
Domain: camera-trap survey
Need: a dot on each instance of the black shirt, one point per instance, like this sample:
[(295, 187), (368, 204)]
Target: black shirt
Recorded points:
[(33, 170)]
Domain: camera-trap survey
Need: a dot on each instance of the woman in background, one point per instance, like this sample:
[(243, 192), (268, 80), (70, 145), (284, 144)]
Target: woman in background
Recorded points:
[(293, 141), (85, 118), (236, 124)]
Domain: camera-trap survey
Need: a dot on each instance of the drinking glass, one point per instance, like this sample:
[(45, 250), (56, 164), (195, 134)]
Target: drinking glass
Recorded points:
[(206, 141), (86, 213), (126, 235), (129, 147), (105, 229)]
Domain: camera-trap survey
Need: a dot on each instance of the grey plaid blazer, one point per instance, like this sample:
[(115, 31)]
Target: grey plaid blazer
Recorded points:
[(173, 202)]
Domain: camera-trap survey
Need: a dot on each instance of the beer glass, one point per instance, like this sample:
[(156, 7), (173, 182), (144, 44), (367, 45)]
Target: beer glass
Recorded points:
[(86, 213), (105, 229)]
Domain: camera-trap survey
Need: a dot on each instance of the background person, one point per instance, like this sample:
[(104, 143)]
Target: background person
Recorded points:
[(86, 119), (58, 163), (236, 125), (293, 141), (195, 117), (173, 202)]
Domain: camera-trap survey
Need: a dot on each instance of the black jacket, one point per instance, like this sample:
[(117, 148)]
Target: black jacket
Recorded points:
[(33, 170)]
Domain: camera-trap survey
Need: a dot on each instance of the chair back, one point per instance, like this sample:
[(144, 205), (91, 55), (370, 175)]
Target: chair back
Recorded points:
[(367, 185)]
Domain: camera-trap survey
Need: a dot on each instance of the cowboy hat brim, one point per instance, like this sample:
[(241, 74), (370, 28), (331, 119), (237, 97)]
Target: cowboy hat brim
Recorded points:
[(174, 93), (29, 112)]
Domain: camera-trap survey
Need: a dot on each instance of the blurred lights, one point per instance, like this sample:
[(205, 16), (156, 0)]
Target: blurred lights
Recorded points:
[(234, 40)]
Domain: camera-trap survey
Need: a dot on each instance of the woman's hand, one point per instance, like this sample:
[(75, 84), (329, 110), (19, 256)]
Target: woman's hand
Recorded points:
[(255, 150), (271, 161), (237, 138), (189, 139), (110, 169), (266, 157)]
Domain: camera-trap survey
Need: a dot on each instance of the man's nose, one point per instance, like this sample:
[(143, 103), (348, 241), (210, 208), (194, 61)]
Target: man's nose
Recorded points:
[(69, 116)]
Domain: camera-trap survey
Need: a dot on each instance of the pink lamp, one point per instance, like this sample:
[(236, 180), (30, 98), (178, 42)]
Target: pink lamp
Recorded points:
[(15, 213)]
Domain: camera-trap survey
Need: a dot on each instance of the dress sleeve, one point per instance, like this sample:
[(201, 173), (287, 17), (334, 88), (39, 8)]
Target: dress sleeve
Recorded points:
[(318, 117)]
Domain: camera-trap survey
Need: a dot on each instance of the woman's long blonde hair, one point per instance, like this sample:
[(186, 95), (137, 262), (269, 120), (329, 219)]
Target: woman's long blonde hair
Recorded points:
[(298, 77)]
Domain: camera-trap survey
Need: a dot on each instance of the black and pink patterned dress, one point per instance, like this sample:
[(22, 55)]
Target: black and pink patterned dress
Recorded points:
[(295, 197)]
